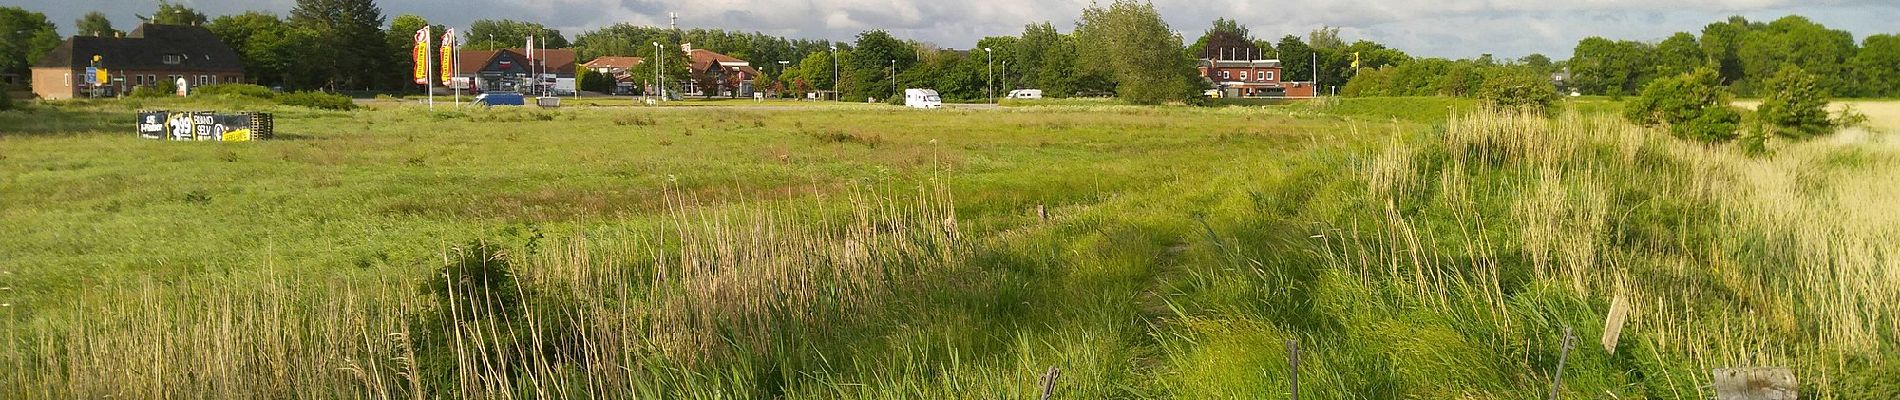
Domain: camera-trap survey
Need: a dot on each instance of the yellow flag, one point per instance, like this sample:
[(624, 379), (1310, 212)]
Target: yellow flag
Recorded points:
[(1355, 59)]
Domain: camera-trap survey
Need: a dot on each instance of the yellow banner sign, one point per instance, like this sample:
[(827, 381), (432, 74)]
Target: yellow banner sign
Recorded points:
[(421, 50)]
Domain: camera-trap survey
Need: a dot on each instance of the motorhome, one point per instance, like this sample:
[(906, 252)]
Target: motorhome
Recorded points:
[(922, 98), (1025, 94)]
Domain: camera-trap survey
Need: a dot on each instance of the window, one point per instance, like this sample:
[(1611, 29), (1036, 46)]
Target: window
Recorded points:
[(173, 59), (204, 80), (151, 79), (69, 79), (1269, 75), (1223, 75)]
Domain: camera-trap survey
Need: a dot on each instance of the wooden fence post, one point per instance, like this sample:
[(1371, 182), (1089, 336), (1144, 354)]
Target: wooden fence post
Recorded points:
[(1293, 364)]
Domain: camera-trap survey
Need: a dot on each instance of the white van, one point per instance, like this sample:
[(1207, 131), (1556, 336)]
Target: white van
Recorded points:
[(1026, 94), (922, 98)]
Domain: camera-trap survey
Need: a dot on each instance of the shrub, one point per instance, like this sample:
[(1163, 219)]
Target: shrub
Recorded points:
[(164, 88), (1692, 105), (234, 90), (6, 101), (1796, 106), (1517, 89), (318, 100)]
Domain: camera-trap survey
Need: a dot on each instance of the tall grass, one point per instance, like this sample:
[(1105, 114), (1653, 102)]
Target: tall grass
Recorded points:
[(711, 306), (1728, 260)]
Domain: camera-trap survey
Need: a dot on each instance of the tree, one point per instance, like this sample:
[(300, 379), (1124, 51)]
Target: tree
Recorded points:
[(1721, 44), (263, 42), (400, 40), (871, 62), (1519, 89), (1796, 106), (1537, 61), (95, 24), (25, 36), (1692, 106), (1610, 67), (1296, 57), (489, 34), (1004, 48), (817, 71), (348, 40), (1876, 67), (174, 14), (1226, 39), (1679, 54), (1138, 48)]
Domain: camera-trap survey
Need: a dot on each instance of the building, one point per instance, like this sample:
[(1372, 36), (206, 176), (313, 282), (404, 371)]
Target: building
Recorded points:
[(1252, 78), (510, 69), (612, 65), (616, 67), (719, 75), (141, 58)]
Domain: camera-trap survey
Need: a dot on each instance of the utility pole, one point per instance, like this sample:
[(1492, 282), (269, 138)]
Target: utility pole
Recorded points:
[(835, 95), (990, 86)]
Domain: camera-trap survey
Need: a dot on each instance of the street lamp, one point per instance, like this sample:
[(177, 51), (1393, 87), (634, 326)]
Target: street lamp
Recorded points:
[(659, 79), (893, 78), (990, 84), (835, 96)]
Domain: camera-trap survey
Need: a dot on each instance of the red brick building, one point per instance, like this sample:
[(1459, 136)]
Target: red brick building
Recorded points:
[(144, 57), (1252, 78)]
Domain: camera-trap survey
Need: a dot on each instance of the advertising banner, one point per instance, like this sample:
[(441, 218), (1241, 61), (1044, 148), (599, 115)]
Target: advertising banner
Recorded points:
[(152, 124), (448, 54), (204, 126), (421, 50)]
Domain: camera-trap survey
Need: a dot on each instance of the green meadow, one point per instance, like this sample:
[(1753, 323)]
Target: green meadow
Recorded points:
[(1409, 247)]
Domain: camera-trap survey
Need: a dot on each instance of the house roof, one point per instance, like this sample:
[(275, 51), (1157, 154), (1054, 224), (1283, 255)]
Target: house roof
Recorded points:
[(556, 61), (1244, 63), (613, 62), (145, 48), (704, 59)]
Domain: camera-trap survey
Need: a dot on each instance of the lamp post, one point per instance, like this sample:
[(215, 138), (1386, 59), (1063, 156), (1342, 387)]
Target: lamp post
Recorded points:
[(893, 77), (659, 80), (835, 96), (989, 85)]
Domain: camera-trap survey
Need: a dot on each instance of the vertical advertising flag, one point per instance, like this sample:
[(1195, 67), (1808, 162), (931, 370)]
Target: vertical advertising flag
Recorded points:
[(529, 49), (448, 56), (421, 58)]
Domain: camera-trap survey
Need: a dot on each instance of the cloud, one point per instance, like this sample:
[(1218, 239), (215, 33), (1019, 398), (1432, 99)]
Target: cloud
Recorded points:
[(1448, 28)]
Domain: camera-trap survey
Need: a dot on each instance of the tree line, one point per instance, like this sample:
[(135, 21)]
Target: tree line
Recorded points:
[(1745, 56), (1122, 48)]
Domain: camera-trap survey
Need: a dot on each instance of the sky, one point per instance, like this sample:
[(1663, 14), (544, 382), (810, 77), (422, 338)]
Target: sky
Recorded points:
[(1446, 28)]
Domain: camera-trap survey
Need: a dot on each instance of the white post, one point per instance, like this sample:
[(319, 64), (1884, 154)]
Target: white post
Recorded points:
[(428, 70)]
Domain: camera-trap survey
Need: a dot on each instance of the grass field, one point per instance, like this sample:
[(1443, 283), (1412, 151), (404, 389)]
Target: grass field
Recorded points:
[(1413, 247)]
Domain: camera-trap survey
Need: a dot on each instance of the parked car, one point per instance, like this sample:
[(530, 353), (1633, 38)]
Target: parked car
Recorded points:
[(500, 99), (922, 98), (1026, 94)]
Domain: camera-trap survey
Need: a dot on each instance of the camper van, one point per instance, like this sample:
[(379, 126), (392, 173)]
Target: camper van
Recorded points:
[(922, 98), (1026, 94)]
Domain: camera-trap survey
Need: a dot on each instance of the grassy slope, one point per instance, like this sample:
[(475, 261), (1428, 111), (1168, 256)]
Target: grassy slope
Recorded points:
[(1185, 247)]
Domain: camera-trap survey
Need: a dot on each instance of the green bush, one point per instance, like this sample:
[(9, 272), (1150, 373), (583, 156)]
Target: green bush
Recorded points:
[(1693, 106), (1796, 106), (6, 101), (318, 100), (1517, 89), (233, 90)]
